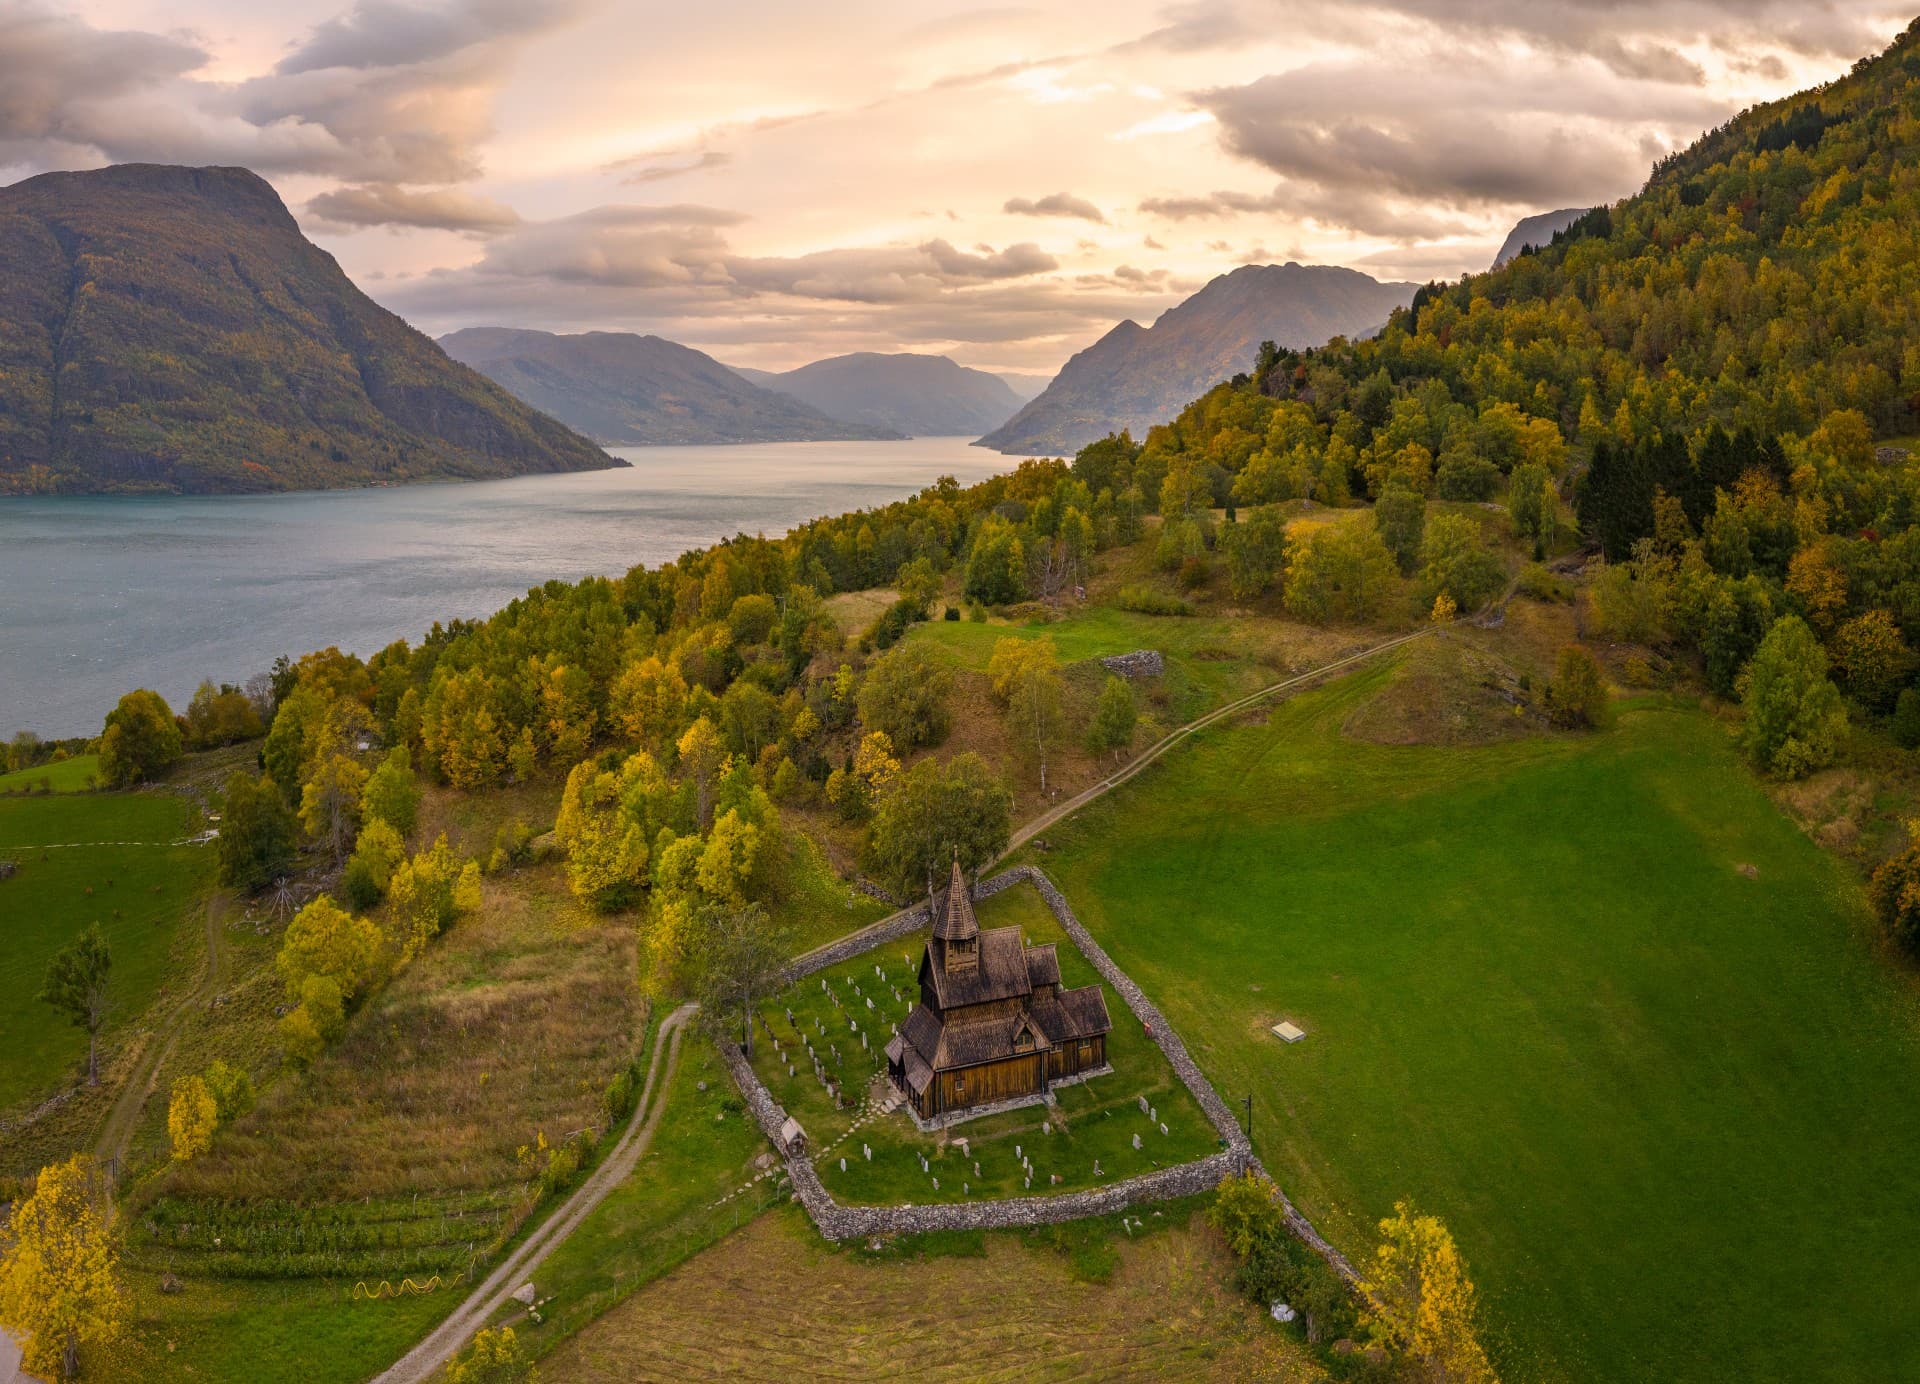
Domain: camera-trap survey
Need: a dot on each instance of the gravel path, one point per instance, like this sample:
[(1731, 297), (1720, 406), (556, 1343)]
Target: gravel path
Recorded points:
[(469, 1317)]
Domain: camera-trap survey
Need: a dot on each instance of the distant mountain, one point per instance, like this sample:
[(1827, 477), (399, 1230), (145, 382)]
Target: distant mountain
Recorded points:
[(1134, 376), (923, 396), (641, 391), (1024, 386), (1537, 231), (170, 329)]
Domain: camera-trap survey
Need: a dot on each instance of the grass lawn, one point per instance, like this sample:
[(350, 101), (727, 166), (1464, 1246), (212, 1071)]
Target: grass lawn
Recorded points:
[(1665, 1104), (270, 1329), (139, 894), (670, 1209), (1210, 659), (1093, 1121), (75, 775)]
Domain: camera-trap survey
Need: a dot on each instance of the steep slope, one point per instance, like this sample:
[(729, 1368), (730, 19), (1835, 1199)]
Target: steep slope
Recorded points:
[(170, 329), (641, 391), (925, 396), (1134, 376), (1537, 231)]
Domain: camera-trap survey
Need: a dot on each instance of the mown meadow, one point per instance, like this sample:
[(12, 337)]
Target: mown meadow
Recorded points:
[(1590, 998)]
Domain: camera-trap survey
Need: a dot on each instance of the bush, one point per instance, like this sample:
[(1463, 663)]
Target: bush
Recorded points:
[(1539, 584), (1906, 720), (1144, 600), (953, 613), (1577, 696), (618, 1100)]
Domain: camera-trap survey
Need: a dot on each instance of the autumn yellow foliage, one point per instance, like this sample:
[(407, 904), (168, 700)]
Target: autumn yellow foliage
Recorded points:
[(192, 1117), (1425, 1307), (60, 1289)]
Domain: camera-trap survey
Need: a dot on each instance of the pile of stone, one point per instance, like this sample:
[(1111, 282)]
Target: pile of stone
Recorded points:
[(1141, 663)]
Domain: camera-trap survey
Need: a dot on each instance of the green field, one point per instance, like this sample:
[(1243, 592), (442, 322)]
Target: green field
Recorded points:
[(139, 894), (74, 775), (1666, 1105), (1210, 659), (1092, 1123), (684, 1194)]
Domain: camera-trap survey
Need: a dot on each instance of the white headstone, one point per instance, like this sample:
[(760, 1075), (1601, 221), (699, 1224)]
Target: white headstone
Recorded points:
[(868, 1150), (1136, 1141), (843, 1165), (1163, 1129)]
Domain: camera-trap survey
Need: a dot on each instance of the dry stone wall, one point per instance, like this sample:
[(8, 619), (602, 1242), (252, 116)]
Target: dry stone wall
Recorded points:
[(838, 1222)]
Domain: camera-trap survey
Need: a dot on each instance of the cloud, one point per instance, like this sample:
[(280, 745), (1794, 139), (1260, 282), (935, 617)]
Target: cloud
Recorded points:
[(660, 172), (381, 34), (1212, 204), (1055, 204), (385, 204), (386, 93), (682, 247)]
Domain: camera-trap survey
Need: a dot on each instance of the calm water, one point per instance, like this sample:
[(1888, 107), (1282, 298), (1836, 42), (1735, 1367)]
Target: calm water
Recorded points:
[(100, 595)]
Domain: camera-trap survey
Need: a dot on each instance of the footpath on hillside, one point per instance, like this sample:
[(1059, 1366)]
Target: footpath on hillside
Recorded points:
[(466, 1320)]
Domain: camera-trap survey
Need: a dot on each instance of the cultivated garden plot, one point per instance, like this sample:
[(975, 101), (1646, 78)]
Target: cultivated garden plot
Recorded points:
[(1135, 1119)]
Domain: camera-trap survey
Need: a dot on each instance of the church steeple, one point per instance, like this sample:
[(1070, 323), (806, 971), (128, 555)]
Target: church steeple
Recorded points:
[(956, 930)]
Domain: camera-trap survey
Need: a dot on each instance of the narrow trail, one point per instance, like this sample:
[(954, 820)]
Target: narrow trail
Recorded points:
[(470, 1316), (467, 1319), (116, 1132), (1053, 816)]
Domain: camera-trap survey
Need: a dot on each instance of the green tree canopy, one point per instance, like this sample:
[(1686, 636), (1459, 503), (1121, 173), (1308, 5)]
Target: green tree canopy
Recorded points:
[(140, 741)]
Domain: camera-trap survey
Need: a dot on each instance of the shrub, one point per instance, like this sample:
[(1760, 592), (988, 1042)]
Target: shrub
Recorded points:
[(1539, 584), (618, 1098), (1144, 600), (952, 613), (1906, 719), (1577, 696)]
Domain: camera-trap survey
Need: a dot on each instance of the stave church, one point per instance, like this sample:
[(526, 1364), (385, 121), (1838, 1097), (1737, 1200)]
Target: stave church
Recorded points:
[(993, 1023)]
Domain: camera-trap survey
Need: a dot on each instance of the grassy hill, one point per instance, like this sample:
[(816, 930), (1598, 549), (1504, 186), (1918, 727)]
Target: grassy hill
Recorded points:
[(170, 329), (1592, 1000), (141, 895)]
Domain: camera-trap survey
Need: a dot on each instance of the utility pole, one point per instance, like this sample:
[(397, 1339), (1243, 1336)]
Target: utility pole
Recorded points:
[(1249, 1105)]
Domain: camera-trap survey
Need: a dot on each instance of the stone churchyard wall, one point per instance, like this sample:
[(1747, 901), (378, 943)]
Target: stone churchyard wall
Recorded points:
[(838, 1222)]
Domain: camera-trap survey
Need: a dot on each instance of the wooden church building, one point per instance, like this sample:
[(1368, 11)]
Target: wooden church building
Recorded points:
[(993, 1023)]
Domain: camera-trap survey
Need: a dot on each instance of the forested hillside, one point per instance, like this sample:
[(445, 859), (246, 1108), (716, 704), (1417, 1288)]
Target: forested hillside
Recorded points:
[(1710, 372), (170, 329)]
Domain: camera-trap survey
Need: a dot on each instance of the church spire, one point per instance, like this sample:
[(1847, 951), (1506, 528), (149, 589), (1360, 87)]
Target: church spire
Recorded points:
[(957, 923)]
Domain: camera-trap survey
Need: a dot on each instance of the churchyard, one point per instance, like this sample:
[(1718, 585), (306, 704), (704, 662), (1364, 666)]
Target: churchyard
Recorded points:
[(825, 1065)]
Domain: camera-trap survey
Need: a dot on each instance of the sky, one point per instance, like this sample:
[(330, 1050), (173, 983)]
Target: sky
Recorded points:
[(774, 182)]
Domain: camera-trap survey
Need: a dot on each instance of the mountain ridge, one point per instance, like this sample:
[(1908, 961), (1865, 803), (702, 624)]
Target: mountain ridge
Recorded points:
[(168, 328), (1134, 377), (630, 390), (921, 395)]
